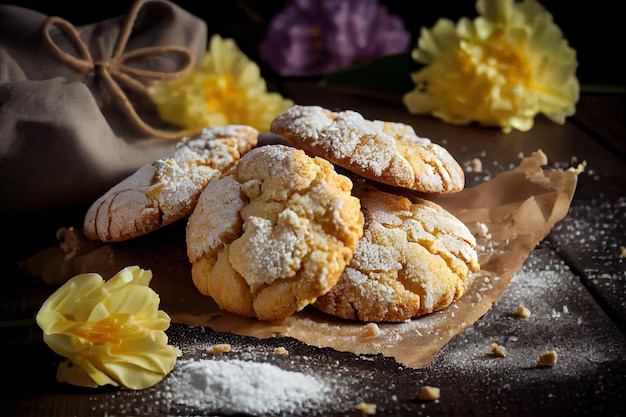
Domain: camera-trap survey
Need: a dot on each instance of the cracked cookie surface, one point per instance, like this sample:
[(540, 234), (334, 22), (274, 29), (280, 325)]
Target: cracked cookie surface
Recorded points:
[(167, 190), (275, 233), (387, 152), (413, 259)]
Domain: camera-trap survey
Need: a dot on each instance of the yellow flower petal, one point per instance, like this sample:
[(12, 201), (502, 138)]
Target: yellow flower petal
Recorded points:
[(227, 88), (500, 69), (111, 332)]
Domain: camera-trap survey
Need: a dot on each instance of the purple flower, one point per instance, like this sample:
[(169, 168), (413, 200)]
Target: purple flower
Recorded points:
[(316, 37)]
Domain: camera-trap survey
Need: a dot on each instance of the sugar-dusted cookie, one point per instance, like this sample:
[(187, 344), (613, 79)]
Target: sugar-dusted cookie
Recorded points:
[(413, 259), (276, 232), (167, 190), (386, 152)]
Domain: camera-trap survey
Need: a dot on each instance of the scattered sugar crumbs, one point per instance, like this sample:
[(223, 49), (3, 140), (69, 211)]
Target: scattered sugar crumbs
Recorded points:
[(428, 393), (218, 349), (523, 312), (477, 165), (280, 350), (368, 409), (498, 350), (371, 330), (547, 358)]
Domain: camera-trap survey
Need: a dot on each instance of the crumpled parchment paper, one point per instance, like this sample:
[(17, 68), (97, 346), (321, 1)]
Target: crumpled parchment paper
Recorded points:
[(509, 215)]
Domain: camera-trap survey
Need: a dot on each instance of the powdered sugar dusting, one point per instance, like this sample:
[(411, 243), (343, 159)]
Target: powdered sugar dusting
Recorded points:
[(167, 190), (197, 160), (288, 226), (413, 259), (344, 136), (237, 386), (545, 286), (388, 152), (215, 218), (594, 233)]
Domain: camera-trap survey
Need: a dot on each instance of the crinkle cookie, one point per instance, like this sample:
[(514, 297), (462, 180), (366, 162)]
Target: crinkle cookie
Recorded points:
[(387, 152), (275, 233), (413, 259), (167, 190)]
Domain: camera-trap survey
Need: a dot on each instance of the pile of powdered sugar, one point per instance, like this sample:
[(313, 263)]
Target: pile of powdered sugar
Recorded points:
[(239, 386)]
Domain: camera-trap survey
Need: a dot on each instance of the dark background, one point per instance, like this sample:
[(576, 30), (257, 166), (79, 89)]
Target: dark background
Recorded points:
[(594, 29)]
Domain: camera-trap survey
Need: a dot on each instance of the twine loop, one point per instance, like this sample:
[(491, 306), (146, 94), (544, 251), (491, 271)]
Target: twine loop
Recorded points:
[(115, 73)]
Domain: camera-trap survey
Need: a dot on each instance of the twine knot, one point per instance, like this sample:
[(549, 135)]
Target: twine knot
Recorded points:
[(115, 72)]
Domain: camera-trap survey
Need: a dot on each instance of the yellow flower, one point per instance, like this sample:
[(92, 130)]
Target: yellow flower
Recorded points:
[(110, 332), (501, 69), (227, 88)]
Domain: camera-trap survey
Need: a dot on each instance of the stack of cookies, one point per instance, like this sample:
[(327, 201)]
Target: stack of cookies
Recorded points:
[(331, 218)]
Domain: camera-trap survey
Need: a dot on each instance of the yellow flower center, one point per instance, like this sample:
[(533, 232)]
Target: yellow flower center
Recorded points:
[(500, 69), (223, 95), (497, 53), (101, 333)]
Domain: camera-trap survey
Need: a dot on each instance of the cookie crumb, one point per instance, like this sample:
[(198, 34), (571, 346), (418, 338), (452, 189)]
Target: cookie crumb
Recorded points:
[(371, 330), (366, 408), (477, 165), (482, 230), (523, 312), (547, 358), (220, 349), (622, 252), (281, 351), (428, 393), (498, 350)]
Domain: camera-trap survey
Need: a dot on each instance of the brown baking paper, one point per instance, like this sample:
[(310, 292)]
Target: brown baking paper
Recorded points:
[(509, 215)]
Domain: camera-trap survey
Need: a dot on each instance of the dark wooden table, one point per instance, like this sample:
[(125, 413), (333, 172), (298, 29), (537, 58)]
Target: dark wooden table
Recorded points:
[(574, 283)]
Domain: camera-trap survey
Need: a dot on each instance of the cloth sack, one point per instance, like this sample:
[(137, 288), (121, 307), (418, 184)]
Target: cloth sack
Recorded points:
[(75, 117)]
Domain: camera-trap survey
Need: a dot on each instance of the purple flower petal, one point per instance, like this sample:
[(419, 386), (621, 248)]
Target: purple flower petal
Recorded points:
[(315, 37)]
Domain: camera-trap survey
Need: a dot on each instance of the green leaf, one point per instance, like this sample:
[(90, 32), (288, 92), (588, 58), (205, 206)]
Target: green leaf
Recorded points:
[(388, 77), (602, 89)]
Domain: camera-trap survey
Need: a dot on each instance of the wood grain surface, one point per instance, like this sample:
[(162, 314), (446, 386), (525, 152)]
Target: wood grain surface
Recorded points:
[(573, 283)]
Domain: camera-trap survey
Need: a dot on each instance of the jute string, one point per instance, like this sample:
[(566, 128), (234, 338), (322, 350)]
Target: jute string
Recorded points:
[(114, 71)]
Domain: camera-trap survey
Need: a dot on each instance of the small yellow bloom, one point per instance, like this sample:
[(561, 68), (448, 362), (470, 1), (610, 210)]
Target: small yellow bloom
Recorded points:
[(227, 88), (110, 332), (501, 69)]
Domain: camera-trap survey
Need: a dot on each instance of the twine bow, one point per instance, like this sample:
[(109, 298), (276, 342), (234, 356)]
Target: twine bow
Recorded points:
[(115, 71)]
